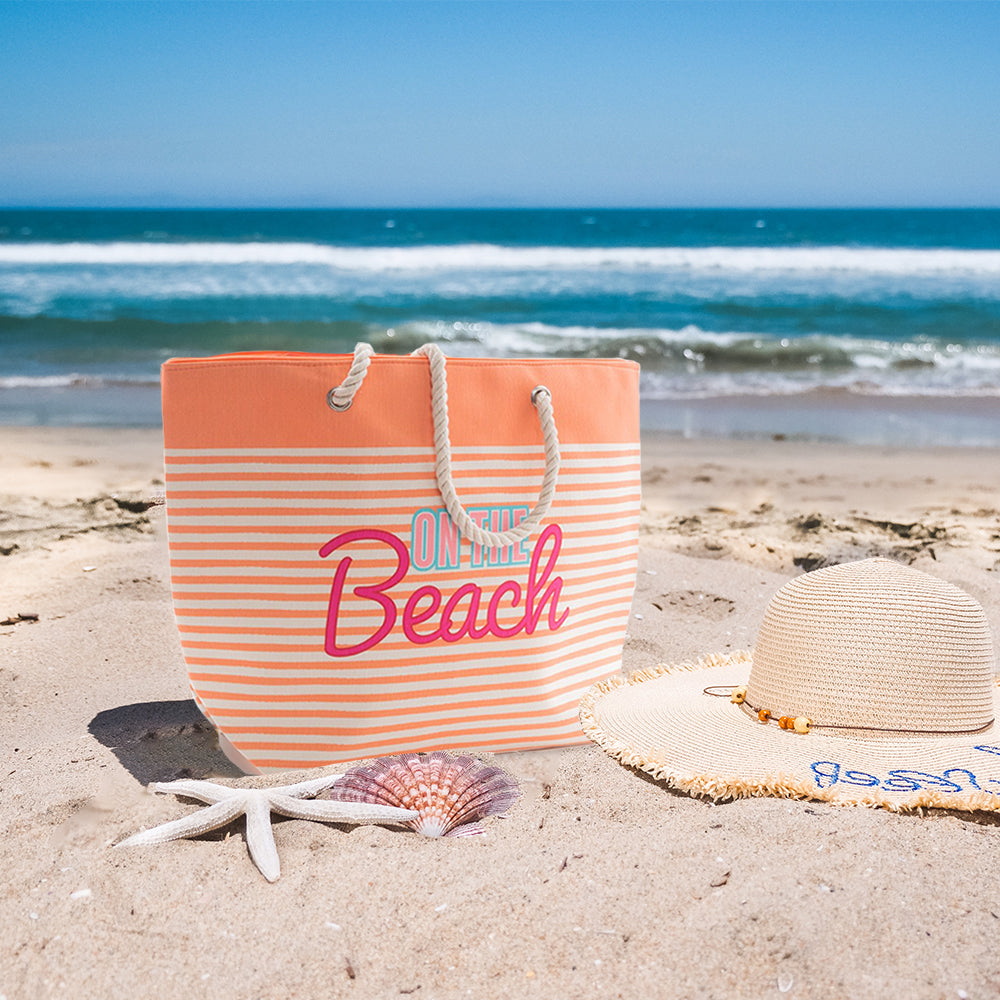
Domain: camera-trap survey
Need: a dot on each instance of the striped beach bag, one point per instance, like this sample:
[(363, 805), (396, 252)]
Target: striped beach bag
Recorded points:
[(376, 554)]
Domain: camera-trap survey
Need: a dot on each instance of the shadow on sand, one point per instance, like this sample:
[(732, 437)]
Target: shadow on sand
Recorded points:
[(162, 741)]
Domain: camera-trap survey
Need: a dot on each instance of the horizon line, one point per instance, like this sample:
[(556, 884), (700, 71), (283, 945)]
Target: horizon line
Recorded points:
[(196, 207)]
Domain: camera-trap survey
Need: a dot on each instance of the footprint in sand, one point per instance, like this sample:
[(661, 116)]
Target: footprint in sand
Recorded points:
[(711, 606)]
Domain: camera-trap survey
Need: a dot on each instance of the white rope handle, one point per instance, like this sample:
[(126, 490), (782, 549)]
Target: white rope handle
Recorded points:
[(341, 397), (542, 399)]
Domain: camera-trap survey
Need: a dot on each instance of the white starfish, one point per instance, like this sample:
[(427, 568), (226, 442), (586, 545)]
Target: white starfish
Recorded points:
[(257, 804)]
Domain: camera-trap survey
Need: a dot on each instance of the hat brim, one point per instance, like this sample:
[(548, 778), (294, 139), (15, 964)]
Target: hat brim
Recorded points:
[(661, 722)]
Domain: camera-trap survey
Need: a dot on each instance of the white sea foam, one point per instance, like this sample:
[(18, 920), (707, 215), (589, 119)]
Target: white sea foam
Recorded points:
[(690, 362), (74, 380), (88, 280), (544, 339), (40, 381), (661, 386), (489, 257)]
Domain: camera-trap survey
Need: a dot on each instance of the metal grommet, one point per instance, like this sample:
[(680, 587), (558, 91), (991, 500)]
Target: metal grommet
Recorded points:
[(539, 389), (331, 401)]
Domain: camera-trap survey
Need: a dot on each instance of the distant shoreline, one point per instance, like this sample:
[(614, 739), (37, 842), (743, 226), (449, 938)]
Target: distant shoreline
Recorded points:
[(818, 415)]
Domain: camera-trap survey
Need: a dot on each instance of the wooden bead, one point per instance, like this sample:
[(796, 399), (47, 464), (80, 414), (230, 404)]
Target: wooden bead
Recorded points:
[(785, 722), (802, 724), (763, 715), (738, 696)]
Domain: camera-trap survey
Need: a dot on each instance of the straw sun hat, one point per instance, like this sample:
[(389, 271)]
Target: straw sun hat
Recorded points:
[(870, 683)]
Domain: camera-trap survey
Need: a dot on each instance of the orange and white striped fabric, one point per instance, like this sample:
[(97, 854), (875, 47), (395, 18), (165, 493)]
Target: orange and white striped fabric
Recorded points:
[(328, 608)]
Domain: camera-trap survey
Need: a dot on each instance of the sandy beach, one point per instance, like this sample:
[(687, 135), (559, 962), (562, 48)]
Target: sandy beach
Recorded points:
[(599, 883)]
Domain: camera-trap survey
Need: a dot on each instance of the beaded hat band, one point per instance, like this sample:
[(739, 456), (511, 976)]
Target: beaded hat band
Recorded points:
[(802, 724)]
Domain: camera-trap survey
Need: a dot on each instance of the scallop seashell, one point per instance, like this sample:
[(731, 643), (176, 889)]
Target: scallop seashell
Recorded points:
[(450, 793)]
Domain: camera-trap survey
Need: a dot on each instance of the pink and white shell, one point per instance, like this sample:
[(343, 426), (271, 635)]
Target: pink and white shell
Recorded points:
[(450, 793)]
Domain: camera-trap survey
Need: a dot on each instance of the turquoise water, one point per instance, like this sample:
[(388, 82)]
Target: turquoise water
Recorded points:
[(715, 304)]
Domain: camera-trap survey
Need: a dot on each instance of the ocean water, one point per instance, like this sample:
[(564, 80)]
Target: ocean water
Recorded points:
[(802, 310)]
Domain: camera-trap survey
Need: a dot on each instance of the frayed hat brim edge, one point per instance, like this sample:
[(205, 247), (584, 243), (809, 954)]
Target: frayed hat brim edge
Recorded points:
[(718, 788)]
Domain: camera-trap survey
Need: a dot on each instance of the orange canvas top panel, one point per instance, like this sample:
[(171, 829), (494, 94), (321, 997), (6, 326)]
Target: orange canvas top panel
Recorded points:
[(278, 399)]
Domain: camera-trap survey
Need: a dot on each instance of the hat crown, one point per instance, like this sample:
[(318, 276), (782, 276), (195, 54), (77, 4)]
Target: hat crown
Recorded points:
[(878, 646)]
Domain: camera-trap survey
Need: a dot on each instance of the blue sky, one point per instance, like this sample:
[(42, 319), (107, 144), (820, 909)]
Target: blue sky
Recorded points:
[(499, 103)]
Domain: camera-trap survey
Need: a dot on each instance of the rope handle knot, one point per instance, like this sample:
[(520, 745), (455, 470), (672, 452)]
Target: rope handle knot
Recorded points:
[(341, 396)]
